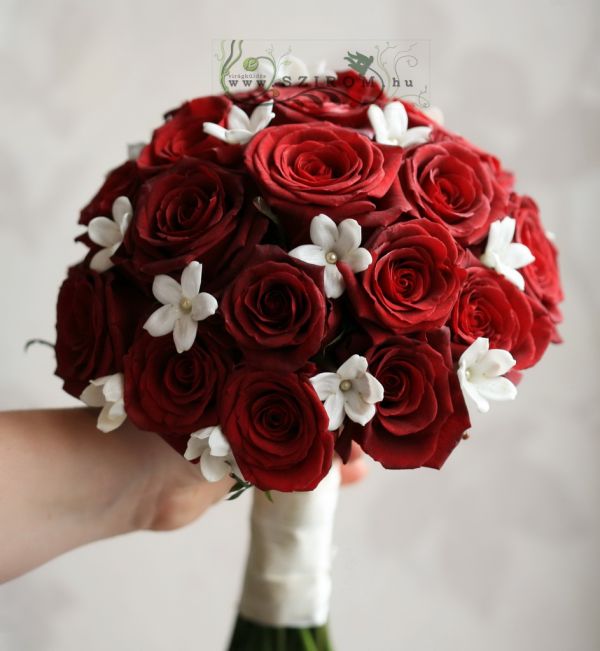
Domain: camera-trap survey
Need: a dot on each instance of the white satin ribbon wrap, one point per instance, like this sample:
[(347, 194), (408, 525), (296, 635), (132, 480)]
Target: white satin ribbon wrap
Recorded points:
[(288, 572)]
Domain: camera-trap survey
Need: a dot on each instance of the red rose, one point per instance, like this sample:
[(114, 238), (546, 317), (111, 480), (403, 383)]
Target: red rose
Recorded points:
[(423, 413), (183, 134), (175, 393), (542, 279), (453, 184), (277, 429), (276, 310), (343, 101), (194, 210), (491, 306), (307, 169), (412, 282), (123, 181), (97, 315)]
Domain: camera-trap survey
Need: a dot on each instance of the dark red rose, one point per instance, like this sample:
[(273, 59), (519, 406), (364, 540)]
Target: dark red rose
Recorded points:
[(542, 279), (412, 282), (182, 135), (175, 393), (423, 414), (343, 100), (276, 310), (96, 317), (277, 429), (453, 184), (123, 181), (307, 169), (194, 210), (491, 306), (440, 134)]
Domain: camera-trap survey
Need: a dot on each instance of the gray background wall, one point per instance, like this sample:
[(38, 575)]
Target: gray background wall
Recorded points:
[(500, 550)]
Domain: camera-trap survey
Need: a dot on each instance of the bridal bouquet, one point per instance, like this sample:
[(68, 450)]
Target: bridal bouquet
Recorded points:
[(277, 275)]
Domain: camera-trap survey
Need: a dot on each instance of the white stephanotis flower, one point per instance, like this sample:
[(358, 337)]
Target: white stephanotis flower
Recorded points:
[(241, 128), (216, 458), (350, 390), (107, 392), (183, 306), (391, 126), (504, 255), (480, 372), (109, 233), (333, 243)]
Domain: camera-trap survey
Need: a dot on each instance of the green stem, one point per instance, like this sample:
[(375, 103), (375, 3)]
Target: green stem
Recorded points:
[(250, 636)]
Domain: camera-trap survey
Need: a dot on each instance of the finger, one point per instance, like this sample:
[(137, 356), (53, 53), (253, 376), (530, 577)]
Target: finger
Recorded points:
[(356, 468), (354, 472), (185, 503)]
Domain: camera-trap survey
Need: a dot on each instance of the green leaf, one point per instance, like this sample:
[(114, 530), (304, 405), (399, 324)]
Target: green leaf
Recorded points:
[(238, 488)]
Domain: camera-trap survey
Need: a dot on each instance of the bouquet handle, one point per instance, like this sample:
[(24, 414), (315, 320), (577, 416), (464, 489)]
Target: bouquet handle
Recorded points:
[(287, 584)]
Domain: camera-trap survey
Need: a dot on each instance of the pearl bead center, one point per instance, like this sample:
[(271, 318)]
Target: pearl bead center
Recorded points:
[(185, 305), (345, 385), (331, 257)]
